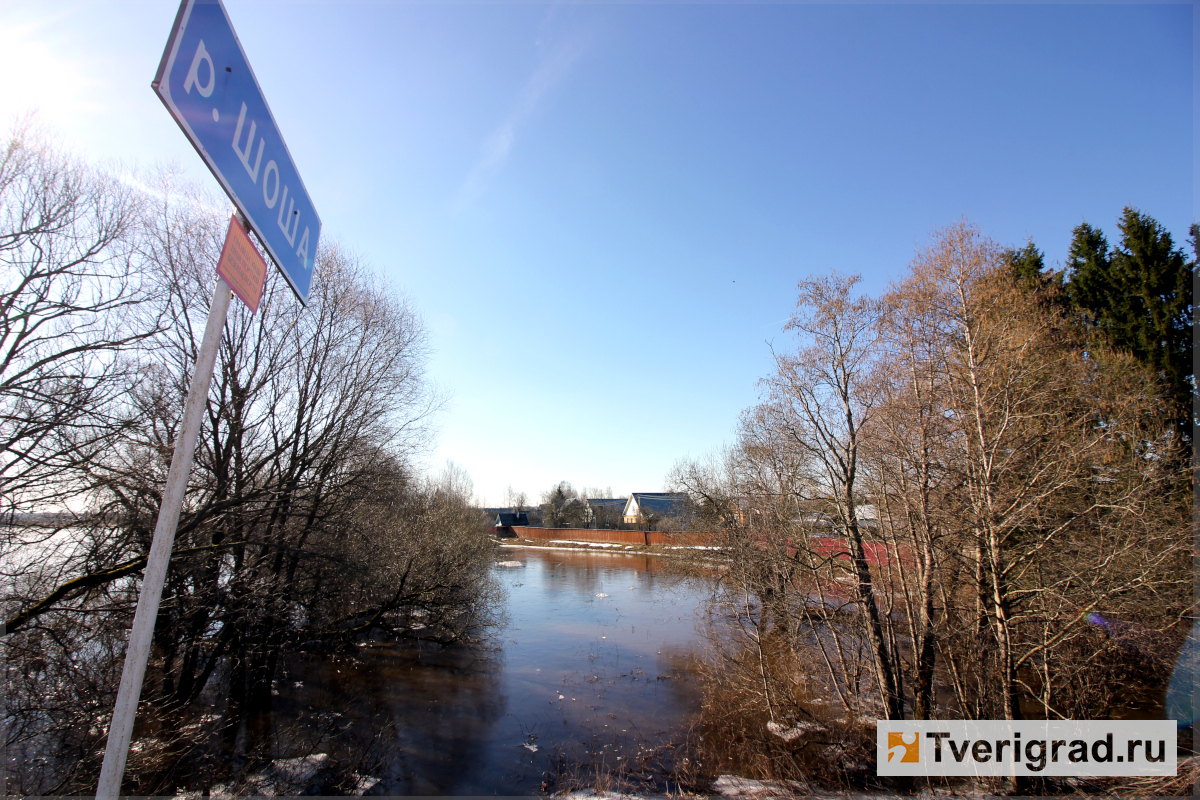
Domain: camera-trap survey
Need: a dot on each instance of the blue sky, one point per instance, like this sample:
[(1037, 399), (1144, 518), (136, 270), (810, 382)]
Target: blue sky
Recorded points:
[(602, 210)]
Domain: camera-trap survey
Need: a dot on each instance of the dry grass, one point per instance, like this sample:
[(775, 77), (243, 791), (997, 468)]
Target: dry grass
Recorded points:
[(731, 736)]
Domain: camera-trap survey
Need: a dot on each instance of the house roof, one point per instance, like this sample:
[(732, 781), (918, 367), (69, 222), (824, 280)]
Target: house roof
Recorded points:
[(617, 503), (506, 519), (662, 503)]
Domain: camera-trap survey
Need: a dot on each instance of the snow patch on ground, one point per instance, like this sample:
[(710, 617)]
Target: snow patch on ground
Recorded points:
[(747, 789), (363, 784), (285, 776), (795, 732), (736, 788), (592, 794), (726, 786)]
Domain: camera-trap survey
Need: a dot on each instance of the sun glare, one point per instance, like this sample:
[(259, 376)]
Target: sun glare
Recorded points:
[(40, 78)]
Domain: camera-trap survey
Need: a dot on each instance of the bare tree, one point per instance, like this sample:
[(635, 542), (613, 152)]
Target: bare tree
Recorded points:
[(303, 525), (515, 500), (1059, 456), (70, 293), (908, 475), (562, 508), (991, 494), (825, 385)]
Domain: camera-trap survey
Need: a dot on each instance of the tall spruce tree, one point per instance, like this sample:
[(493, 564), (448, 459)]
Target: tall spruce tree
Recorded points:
[(1026, 264), (1140, 295), (1089, 284)]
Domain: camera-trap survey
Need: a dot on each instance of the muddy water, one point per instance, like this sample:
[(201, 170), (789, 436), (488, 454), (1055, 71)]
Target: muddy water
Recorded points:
[(591, 667)]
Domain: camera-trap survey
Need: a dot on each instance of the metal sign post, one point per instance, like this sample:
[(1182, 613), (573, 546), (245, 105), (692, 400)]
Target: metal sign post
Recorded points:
[(206, 83), (117, 748)]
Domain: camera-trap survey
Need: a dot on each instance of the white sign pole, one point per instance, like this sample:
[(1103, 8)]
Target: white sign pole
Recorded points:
[(121, 729)]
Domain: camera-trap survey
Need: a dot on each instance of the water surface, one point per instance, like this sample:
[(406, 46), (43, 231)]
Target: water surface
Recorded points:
[(593, 664)]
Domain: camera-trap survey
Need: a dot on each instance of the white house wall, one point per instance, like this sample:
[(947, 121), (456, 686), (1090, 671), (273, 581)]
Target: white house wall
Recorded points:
[(631, 509)]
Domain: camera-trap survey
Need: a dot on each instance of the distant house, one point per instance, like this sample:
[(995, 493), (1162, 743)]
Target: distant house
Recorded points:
[(830, 525), (605, 512), (650, 507), (504, 521)]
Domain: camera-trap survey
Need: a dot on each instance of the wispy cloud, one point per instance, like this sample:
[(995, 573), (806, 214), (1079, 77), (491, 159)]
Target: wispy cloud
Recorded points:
[(499, 144)]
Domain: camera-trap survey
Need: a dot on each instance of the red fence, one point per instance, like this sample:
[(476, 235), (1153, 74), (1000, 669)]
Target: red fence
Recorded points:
[(876, 552), (826, 547), (647, 538)]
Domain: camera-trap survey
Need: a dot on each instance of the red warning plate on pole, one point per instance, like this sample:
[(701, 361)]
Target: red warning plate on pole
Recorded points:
[(241, 266)]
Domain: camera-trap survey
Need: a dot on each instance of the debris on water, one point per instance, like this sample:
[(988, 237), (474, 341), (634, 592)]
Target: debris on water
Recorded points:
[(510, 564), (602, 594), (533, 748)]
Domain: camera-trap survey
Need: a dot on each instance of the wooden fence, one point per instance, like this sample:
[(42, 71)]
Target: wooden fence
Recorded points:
[(877, 553), (645, 538)]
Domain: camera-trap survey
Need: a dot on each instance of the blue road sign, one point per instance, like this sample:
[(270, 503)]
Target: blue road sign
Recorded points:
[(206, 83)]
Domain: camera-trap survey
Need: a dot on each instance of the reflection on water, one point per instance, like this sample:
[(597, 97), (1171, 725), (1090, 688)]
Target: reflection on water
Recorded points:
[(594, 657)]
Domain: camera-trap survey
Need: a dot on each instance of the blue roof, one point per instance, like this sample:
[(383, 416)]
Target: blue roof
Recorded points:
[(608, 502), (665, 503)]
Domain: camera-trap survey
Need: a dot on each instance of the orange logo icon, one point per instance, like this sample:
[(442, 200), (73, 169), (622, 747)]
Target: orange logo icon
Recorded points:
[(907, 745)]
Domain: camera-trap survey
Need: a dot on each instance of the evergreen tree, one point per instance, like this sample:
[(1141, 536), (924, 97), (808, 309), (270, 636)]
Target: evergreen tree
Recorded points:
[(1026, 264), (1140, 295), (1089, 284)]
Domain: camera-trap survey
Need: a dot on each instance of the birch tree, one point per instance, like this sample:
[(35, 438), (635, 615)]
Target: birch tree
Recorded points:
[(825, 384), (1060, 455)]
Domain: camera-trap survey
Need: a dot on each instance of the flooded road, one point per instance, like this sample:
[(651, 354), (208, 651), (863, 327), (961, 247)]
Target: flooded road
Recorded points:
[(592, 667)]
